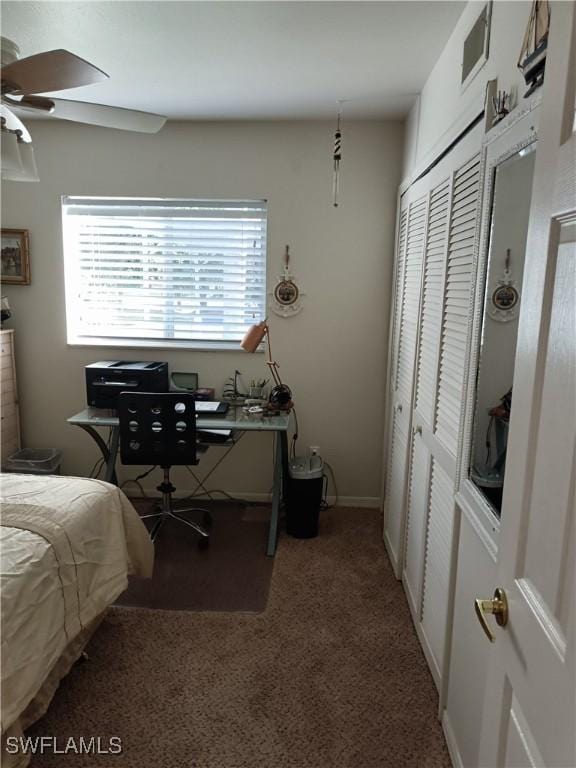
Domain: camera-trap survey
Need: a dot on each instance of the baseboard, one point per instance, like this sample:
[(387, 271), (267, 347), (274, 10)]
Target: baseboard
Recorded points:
[(453, 750), (365, 502), (392, 555)]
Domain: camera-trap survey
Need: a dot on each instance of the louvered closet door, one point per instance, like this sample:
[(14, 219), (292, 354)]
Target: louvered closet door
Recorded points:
[(426, 378), (439, 392), (458, 305), (412, 233)]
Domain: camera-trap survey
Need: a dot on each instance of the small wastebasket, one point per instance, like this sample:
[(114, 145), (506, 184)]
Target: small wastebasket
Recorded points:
[(305, 481), (34, 461)]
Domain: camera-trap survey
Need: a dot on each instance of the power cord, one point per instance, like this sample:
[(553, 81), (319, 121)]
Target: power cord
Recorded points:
[(136, 481), (99, 463), (201, 483), (324, 503), (295, 435)]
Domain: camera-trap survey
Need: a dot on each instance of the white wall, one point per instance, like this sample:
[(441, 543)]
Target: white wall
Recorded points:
[(443, 108), (332, 354)]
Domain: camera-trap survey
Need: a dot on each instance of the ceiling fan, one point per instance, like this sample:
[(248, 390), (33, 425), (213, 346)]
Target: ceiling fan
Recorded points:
[(21, 82)]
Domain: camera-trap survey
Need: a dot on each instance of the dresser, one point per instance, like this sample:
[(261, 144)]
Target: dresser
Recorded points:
[(10, 441)]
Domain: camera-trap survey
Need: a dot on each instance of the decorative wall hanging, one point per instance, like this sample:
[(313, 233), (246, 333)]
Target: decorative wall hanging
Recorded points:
[(501, 106), (286, 297), (15, 257), (337, 157), (504, 298), (532, 60)]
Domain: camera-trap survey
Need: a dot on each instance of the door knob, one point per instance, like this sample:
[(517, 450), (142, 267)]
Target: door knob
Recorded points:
[(417, 430), (498, 606), (398, 408)]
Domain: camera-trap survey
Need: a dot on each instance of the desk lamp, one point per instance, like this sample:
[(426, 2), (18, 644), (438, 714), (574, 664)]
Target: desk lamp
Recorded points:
[(280, 396)]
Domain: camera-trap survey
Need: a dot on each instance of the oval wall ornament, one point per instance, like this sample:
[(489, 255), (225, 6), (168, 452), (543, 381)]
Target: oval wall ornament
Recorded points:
[(286, 296)]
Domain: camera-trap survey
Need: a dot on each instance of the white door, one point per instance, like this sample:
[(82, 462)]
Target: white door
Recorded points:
[(529, 710), (440, 366), (411, 237)]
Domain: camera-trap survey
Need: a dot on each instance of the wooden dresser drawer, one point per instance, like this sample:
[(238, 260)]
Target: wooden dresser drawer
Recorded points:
[(6, 346), (8, 388), (9, 416)]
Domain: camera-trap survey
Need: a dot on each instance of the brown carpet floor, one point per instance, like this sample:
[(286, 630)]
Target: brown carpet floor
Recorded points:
[(231, 575), (331, 675)]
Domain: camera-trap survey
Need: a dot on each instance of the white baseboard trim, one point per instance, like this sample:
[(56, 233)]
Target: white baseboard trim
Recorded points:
[(365, 502), (391, 555), (453, 750)]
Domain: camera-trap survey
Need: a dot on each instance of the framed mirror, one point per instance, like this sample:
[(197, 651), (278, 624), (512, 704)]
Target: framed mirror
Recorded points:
[(512, 192), (509, 159)]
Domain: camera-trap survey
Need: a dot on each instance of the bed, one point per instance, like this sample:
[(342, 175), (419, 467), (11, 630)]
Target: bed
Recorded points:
[(67, 547)]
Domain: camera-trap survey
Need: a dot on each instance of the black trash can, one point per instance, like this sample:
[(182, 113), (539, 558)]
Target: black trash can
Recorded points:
[(305, 481)]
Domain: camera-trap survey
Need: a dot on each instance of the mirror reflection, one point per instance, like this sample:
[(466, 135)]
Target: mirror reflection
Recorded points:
[(505, 268)]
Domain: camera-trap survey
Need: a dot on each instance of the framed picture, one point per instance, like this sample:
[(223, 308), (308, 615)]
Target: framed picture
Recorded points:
[(15, 257)]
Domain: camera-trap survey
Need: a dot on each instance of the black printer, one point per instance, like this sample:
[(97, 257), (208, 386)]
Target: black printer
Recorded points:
[(106, 379)]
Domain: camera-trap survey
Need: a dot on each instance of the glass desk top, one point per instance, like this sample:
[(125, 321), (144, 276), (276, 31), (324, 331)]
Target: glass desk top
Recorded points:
[(236, 418)]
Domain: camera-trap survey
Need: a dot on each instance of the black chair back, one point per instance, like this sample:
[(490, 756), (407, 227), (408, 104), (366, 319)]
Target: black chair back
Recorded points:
[(157, 428)]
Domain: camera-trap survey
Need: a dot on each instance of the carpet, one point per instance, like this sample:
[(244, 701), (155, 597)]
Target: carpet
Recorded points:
[(331, 675), (233, 574)]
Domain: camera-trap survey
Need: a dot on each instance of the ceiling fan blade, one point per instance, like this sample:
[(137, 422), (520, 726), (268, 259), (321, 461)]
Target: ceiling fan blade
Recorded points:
[(30, 103), (49, 71), (107, 117), (14, 123)]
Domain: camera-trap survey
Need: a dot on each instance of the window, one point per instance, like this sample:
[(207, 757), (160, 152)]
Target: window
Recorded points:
[(188, 273), (475, 50)]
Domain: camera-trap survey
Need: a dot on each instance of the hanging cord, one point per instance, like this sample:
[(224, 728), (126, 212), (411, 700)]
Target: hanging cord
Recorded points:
[(201, 483), (324, 504), (99, 463), (295, 435), (96, 468), (337, 157), (136, 481)]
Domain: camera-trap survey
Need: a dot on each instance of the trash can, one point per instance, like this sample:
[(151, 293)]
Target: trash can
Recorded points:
[(34, 461), (305, 481)]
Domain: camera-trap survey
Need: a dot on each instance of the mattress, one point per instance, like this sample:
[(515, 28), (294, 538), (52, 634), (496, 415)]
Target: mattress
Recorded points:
[(67, 547)]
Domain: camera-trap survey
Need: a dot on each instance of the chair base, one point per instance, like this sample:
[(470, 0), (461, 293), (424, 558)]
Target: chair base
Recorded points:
[(167, 511), (162, 517)]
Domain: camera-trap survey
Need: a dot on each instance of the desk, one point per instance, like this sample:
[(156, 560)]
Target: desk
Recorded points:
[(91, 418)]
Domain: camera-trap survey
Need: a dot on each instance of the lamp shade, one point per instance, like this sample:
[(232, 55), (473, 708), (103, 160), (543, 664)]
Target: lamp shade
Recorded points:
[(29, 169), (253, 337), (11, 161)]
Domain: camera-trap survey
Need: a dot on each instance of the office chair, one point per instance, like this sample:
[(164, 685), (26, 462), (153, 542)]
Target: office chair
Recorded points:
[(160, 428)]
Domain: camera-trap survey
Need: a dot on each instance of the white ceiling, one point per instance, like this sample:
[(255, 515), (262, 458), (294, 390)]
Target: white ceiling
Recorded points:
[(217, 60)]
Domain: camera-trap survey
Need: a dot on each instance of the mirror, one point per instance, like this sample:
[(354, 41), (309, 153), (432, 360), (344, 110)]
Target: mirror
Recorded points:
[(512, 190)]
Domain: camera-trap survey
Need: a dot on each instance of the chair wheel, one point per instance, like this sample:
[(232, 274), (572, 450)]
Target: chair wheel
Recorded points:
[(203, 543), (207, 520)]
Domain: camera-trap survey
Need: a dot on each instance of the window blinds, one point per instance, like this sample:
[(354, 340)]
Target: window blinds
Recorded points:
[(179, 271)]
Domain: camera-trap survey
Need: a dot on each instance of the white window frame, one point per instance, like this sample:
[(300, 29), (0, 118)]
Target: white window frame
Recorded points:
[(479, 65), (75, 335)]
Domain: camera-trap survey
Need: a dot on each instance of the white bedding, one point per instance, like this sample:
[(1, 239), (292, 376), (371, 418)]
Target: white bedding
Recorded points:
[(67, 546)]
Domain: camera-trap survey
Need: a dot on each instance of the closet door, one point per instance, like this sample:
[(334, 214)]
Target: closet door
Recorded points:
[(426, 386), (411, 239), (439, 394)]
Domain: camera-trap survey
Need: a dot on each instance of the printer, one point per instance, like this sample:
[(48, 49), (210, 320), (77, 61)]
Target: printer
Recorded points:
[(106, 379)]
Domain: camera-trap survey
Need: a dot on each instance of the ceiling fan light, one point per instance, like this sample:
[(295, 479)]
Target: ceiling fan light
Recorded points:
[(11, 161), (29, 168)]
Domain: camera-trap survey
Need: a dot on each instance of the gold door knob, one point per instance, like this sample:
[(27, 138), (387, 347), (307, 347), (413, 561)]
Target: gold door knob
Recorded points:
[(498, 606)]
